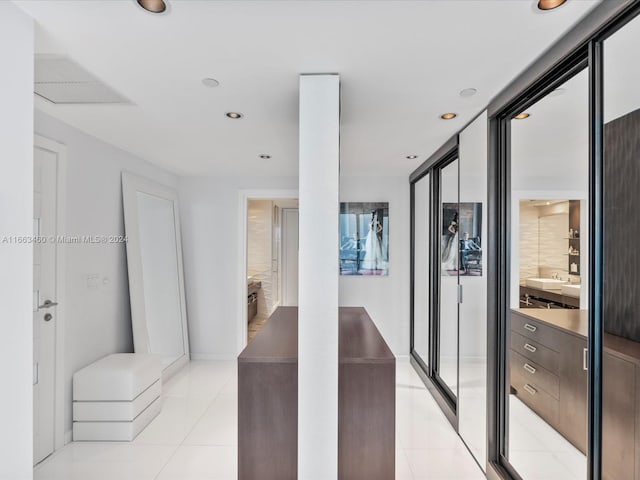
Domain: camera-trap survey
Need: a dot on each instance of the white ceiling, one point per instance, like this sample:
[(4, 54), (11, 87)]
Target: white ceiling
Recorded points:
[(402, 64), (554, 141)]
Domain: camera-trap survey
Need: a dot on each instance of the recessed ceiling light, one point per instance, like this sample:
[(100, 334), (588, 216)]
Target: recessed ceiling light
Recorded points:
[(264, 156), (153, 6), (234, 115), (412, 157), (522, 116), (210, 82), (468, 92), (448, 116), (550, 4)]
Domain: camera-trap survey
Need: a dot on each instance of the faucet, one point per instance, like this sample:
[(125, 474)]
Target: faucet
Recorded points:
[(554, 276)]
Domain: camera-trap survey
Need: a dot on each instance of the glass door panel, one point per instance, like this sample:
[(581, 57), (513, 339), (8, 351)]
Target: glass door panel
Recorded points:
[(472, 231), (621, 279), (421, 270), (547, 396), (447, 365)]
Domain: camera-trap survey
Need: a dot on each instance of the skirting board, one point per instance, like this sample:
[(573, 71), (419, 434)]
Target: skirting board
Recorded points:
[(213, 356)]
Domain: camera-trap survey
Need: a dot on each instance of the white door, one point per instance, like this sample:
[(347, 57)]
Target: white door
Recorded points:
[(44, 299), (290, 256)]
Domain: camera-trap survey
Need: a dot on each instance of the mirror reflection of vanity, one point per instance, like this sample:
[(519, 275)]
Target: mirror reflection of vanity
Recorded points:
[(156, 282), (550, 254)]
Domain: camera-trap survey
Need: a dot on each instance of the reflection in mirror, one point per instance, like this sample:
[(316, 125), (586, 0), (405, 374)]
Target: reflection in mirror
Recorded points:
[(621, 356), (156, 283), (472, 376), (547, 376), (421, 269), (449, 269)]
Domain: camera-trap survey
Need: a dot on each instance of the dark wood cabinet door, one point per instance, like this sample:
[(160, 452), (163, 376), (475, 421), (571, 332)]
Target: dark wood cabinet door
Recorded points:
[(573, 391), (619, 418)]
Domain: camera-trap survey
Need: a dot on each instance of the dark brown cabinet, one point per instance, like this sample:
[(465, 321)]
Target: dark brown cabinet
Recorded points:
[(548, 373), (574, 384), (619, 419), (268, 400)]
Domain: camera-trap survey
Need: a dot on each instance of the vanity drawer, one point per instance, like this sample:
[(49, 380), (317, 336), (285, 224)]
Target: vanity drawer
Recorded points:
[(535, 398), (537, 331), (534, 351), (534, 374)]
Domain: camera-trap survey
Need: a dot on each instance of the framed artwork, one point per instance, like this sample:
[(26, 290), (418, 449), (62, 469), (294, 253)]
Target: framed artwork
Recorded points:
[(461, 243), (364, 238)]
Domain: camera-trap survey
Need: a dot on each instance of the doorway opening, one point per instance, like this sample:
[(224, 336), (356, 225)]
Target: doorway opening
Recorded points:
[(270, 270)]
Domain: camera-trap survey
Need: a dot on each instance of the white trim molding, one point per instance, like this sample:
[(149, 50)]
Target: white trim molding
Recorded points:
[(60, 150), (244, 196)]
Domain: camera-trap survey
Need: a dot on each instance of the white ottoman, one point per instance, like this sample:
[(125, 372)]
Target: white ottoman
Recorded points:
[(116, 397)]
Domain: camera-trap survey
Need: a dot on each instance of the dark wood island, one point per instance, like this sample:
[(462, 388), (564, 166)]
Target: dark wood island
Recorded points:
[(268, 400)]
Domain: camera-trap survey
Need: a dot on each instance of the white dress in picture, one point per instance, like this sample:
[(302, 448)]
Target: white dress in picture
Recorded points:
[(450, 247), (373, 259)]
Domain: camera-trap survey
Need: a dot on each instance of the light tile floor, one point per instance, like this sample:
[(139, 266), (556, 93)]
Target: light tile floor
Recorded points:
[(195, 436), (537, 451)]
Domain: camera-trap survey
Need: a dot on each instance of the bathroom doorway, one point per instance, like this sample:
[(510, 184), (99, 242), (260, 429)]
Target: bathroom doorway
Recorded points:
[(270, 269)]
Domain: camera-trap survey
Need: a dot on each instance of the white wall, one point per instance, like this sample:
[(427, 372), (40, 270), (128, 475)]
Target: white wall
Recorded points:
[(385, 298), (98, 319), (16, 218), (210, 219), (210, 216)]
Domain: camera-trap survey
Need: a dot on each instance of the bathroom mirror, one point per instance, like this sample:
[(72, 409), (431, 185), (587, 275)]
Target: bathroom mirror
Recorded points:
[(156, 281)]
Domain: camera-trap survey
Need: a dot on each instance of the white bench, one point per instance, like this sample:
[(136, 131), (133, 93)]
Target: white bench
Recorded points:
[(115, 398)]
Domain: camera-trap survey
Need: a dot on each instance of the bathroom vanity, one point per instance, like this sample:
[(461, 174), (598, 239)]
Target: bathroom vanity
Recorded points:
[(253, 287), (548, 372), (531, 297)]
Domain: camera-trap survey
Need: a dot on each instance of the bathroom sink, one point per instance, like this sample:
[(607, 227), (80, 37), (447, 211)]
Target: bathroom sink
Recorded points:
[(545, 283), (571, 290)]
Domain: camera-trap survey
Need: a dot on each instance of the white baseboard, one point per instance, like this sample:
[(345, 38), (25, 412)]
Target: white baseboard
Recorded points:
[(402, 358), (68, 437), (213, 356)]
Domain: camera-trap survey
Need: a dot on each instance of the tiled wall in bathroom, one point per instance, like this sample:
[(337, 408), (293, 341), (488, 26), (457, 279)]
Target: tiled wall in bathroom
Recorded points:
[(528, 241), (553, 232), (543, 240), (259, 250)]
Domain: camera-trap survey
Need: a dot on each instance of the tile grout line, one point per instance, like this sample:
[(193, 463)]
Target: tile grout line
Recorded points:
[(181, 444)]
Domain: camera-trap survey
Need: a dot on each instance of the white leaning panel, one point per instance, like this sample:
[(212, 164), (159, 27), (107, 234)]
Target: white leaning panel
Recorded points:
[(111, 411), (115, 431)]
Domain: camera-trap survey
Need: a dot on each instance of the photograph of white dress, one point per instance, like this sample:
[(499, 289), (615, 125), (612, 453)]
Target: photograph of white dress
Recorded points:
[(373, 259), (364, 238), (461, 239), (450, 246)]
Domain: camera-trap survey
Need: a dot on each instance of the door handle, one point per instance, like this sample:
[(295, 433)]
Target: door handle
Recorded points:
[(529, 368), (531, 348), (530, 390), (584, 359), (531, 328), (47, 304)]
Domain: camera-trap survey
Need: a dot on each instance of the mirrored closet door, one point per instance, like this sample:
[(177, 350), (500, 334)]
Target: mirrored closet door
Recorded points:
[(449, 287)]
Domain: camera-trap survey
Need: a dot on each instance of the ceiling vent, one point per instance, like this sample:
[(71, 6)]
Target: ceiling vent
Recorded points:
[(62, 81)]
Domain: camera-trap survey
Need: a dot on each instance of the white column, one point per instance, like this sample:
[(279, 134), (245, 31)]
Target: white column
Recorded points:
[(16, 219), (318, 277)]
